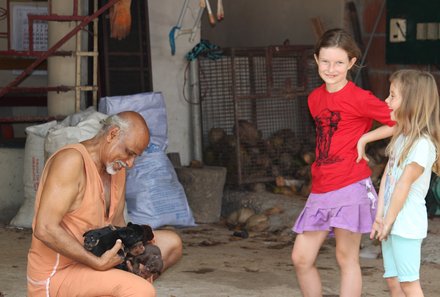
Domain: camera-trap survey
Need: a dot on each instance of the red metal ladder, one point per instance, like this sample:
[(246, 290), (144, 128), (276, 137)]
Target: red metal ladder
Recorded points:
[(41, 56)]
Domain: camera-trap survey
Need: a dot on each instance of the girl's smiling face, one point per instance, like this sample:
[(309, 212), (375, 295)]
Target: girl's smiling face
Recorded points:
[(394, 100), (333, 65)]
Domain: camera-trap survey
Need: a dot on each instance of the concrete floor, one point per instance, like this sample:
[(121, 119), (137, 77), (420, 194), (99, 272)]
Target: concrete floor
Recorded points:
[(217, 264)]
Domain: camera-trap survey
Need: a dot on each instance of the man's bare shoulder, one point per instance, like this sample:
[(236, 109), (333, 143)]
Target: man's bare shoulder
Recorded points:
[(67, 159)]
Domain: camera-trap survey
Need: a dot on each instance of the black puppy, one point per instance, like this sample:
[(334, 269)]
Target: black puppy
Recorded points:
[(133, 236)]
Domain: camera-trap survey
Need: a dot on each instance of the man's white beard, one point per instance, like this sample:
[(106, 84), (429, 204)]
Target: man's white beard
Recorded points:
[(110, 167)]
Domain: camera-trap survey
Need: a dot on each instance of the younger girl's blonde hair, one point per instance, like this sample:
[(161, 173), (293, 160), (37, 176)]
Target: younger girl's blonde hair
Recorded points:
[(419, 112)]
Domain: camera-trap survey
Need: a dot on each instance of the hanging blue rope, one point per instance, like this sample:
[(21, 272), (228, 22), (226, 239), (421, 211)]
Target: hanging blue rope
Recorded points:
[(212, 51), (172, 41)]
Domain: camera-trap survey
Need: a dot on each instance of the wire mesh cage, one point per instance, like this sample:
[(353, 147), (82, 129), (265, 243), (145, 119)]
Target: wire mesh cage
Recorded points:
[(255, 117)]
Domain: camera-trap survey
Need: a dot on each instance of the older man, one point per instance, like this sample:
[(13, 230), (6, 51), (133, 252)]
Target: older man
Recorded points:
[(82, 188)]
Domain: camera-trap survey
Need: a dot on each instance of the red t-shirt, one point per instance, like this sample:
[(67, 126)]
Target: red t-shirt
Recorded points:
[(341, 118)]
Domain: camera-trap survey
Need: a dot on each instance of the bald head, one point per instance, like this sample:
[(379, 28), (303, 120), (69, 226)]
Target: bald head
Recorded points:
[(134, 126), (131, 126), (134, 121)]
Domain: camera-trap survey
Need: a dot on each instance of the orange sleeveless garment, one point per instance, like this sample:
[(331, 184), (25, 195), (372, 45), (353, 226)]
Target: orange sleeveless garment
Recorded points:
[(51, 274)]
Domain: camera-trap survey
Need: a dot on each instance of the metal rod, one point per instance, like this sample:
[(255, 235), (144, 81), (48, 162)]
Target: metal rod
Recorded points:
[(195, 110), (77, 62), (364, 56), (182, 14), (95, 58)]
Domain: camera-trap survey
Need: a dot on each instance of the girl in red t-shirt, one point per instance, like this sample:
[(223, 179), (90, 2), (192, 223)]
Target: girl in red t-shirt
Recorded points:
[(342, 199)]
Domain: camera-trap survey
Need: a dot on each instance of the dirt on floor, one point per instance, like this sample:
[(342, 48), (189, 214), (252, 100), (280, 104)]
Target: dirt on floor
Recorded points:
[(217, 264)]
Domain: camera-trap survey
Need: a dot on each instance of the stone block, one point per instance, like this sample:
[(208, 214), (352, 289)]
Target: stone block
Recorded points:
[(204, 191)]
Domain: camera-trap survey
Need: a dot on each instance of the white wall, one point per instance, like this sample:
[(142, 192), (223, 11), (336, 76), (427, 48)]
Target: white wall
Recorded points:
[(250, 23), (169, 71)]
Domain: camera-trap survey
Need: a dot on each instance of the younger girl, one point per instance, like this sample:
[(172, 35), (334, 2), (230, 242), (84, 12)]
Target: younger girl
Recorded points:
[(342, 198), (414, 151)]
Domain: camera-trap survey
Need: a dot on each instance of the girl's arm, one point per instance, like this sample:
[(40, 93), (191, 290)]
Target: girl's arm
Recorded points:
[(377, 225), (410, 174), (376, 134)]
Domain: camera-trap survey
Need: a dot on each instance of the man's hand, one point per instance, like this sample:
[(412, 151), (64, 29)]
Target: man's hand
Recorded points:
[(110, 258)]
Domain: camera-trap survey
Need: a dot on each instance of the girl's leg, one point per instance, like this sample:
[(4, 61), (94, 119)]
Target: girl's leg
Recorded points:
[(394, 286), (304, 253), (347, 255), (412, 289), (407, 254)]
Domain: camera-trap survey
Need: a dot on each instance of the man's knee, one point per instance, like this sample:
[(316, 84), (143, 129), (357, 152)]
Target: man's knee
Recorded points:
[(170, 245), (149, 291), (136, 287)]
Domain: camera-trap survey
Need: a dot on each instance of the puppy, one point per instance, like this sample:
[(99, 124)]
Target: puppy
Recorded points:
[(148, 264), (134, 238)]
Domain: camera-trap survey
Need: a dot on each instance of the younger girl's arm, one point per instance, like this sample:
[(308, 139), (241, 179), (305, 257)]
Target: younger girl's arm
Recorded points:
[(376, 134), (410, 174), (378, 221)]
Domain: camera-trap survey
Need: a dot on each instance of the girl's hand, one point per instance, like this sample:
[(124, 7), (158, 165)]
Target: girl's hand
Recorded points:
[(376, 228), (386, 229), (361, 150)]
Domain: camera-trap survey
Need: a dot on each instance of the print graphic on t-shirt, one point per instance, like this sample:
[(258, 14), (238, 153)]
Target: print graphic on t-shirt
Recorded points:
[(326, 125), (390, 180)]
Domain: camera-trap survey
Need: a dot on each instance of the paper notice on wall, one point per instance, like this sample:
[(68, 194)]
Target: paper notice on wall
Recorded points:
[(20, 26)]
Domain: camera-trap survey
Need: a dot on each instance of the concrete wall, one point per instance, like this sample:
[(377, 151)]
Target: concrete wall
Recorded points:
[(249, 23), (169, 71), (11, 182)]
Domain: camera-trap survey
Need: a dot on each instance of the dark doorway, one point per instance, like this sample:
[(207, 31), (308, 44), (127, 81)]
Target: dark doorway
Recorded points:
[(125, 65)]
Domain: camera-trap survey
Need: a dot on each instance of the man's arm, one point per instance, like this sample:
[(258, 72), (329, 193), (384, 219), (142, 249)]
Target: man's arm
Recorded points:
[(62, 193)]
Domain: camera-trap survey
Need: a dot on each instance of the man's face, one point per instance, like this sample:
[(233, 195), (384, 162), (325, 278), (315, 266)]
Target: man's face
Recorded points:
[(124, 150)]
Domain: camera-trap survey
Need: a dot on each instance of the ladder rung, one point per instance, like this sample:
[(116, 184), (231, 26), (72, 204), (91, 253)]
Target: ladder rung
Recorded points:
[(87, 54), (87, 88)]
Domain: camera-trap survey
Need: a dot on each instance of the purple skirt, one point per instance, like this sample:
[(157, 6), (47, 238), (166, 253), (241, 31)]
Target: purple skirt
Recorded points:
[(352, 208)]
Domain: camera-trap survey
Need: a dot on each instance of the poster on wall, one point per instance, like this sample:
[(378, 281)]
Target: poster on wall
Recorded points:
[(19, 22), (413, 29)]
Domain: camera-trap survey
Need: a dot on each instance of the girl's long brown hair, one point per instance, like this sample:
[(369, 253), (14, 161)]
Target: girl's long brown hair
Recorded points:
[(419, 112)]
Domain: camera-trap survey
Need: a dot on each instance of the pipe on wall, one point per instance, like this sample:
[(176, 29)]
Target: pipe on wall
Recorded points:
[(61, 70), (196, 123)]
